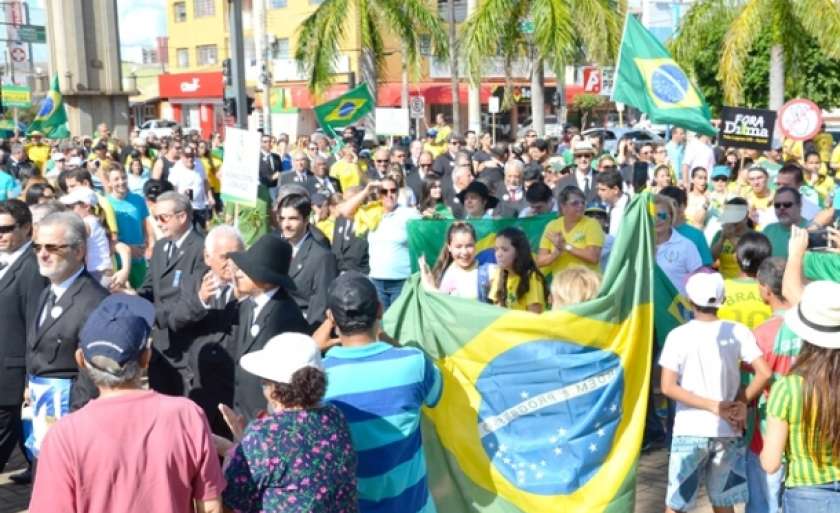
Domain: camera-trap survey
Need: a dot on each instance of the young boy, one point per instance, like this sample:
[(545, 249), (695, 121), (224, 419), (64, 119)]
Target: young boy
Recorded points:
[(700, 372)]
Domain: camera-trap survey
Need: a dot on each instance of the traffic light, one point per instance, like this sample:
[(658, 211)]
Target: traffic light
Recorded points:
[(226, 72), (230, 107)]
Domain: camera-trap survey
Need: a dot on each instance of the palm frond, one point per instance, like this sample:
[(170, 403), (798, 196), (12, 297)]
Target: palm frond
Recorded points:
[(598, 27), (700, 19), (736, 46), (554, 34), (821, 19), (370, 36), (407, 19), (319, 37), (491, 30)]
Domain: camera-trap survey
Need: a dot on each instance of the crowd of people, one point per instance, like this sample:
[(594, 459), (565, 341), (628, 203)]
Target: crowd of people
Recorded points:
[(155, 331)]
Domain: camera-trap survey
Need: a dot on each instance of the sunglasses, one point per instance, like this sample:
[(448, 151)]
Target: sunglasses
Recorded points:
[(385, 161), (383, 190), (783, 204), (719, 179), (425, 165), (7, 228), (164, 218), (51, 248), (662, 216)]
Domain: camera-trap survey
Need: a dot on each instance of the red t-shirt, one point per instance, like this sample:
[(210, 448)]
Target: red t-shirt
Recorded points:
[(138, 452)]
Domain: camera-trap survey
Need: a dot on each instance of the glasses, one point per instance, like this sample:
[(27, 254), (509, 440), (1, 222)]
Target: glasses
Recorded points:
[(719, 179), (51, 248), (164, 218), (423, 164), (662, 216), (456, 143), (7, 228), (383, 190), (783, 204), (384, 161)]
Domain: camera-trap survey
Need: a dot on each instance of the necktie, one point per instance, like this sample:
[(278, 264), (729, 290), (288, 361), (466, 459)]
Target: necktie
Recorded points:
[(222, 299), (586, 186), (48, 306), (170, 252)]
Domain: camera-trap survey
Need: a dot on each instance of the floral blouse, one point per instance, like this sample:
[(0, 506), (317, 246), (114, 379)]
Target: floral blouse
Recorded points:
[(294, 461)]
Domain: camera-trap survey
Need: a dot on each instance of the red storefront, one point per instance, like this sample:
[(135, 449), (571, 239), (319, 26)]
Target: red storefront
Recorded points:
[(195, 100)]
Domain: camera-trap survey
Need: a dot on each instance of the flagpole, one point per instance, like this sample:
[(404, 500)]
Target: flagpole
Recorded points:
[(17, 129), (618, 61)]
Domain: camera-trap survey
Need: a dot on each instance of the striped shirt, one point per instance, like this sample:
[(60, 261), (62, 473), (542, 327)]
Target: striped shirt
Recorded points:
[(380, 389), (786, 401)]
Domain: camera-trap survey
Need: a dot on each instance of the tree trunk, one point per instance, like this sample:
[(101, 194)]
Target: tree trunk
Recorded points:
[(404, 88), (367, 72), (538, 96), (474, 99), (508, 101), (777, 77), (453, 70)]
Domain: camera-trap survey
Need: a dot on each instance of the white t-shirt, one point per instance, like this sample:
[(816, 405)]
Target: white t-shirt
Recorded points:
[(698, 154), (707, 358), (460, 282), (388, 245), (679, 258), (185, 179), (98, 257)]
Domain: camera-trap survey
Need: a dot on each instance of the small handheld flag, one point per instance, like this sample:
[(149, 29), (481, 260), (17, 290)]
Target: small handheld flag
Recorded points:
[(344, 110), (52, 118)]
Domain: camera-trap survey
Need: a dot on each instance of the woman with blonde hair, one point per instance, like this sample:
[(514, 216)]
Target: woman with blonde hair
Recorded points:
[(572, 285)]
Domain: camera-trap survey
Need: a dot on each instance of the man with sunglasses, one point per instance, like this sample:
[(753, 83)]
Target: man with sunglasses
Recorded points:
[(300, 173), (787, 205), (176, 266), (53, 334), (582, 177), (418, 175), (20, 288), (271, 165), (444, 164), (381, 161)]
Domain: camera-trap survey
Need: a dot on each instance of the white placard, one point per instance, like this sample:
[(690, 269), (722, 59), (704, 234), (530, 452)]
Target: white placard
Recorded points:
[(241, 167), (417, 107), (391, 121), (493, 105)]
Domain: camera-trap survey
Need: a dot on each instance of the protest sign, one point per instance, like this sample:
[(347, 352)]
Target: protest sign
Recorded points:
[(747, 128), (240, 170)]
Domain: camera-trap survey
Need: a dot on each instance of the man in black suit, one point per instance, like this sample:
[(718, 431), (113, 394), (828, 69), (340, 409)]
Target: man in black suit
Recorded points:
[(270, 163), (300, 173), (511, 191), (313, 266), (351, 252), (324, 183), (63, 308), (211, 310), (20, 288), (444, 164), (261, 277), (177, 264), (582, 176), (417, 177), (381, 161)]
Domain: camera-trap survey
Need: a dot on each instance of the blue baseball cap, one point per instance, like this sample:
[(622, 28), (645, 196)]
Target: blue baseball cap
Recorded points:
[(721, 171), (118, 329)]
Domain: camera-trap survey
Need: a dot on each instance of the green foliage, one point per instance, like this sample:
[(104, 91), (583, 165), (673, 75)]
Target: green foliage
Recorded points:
[(587, 101)]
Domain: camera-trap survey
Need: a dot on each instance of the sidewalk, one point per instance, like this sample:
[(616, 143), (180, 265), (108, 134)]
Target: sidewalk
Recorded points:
[(650, 486)]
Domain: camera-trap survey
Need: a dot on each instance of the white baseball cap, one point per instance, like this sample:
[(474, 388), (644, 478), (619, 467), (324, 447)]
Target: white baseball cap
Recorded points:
[(705, 289), (80, 195), (282, 356), (816, 318), (58, 156), (733, 213), (75, 162)]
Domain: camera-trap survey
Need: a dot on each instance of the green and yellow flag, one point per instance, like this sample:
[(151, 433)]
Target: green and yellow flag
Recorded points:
[(51, 119), (539, 412), (344, 110), (647, 78)]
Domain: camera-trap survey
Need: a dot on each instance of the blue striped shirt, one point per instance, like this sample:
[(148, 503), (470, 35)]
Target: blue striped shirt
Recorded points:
[(380, 389)]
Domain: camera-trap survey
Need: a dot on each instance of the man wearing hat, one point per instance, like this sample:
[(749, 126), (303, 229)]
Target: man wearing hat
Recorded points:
[(131, 450), (261, 277), (582, 177)]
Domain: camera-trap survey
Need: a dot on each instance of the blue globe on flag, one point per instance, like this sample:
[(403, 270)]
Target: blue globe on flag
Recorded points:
[(47, 106), (346, 109), (669, 84)]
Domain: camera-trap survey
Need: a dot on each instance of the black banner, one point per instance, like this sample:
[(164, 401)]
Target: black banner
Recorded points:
[(747, 128)]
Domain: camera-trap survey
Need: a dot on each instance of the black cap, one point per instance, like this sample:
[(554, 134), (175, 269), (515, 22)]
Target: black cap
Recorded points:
[(267, 261), (479, 188), (353, 301)]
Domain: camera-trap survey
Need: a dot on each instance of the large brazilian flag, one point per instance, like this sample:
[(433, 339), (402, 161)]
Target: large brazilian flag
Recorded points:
[(539, 412), (51, 119)]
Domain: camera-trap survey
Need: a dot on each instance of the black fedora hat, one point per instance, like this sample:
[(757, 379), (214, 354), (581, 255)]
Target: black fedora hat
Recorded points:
[(267, 261), (479, 188)]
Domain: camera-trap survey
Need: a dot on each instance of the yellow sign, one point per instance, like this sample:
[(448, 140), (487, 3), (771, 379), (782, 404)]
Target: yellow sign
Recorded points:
[(16, 96)]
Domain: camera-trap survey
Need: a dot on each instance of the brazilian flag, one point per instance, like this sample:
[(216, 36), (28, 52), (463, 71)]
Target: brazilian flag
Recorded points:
[(51, 119), (539, 412), (344, 110), (647, 78)]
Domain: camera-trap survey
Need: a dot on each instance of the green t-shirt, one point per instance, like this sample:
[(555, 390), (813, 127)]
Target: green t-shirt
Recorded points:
[(822, 265), (786, 401), (779, 236)]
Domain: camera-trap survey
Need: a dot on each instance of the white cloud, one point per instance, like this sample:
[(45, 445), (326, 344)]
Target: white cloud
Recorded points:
[(141, 21)]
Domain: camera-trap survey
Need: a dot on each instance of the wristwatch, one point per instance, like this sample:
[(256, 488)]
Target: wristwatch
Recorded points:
[(568, 247)]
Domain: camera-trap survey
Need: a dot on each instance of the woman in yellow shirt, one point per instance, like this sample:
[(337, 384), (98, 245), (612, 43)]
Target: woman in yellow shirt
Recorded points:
[(736, 223), (213, 168), (516, 283), (572, 239), (743, 301)]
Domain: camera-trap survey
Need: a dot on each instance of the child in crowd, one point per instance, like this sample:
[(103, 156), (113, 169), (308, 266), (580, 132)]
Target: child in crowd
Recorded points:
[(516, 282), (456, 272), (576, 284), (701, 373)]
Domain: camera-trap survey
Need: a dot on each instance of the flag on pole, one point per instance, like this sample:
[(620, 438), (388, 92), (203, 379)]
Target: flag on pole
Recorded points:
[(51, 119), (344, 110), (539, 412), (647, 78)]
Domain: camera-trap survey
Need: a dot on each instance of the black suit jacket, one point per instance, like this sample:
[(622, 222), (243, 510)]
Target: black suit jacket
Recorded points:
[(444, 164), (51, 348), (570, 180), (313, 269), (351, 252), (168, 284), (323, 188), (280, 315), (268, 167), (20, 291), (415, 183), (307, 180)]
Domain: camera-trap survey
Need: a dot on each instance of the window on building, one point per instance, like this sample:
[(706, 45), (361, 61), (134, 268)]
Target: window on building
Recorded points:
[(180, 9), (183, 57), (207, 54), (460, 10), (280, 48), (278, 4), (205, 8)]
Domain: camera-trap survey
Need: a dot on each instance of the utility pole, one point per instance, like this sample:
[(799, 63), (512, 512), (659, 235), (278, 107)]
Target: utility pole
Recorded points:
[(263, 51), (237, 57), (473, 98), (453, 70)]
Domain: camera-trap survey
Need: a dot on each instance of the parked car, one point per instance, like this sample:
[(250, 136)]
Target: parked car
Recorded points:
[(158, 127), (613, 135), (553, 127)]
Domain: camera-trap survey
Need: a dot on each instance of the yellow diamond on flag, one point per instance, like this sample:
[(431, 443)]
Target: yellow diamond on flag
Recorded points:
[(345, 110), (667, 84)]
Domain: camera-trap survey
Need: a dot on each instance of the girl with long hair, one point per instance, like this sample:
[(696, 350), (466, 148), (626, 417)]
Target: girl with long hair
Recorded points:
[(456, 271), (432, 204), (516, 282), (406, 196), (697, 206)]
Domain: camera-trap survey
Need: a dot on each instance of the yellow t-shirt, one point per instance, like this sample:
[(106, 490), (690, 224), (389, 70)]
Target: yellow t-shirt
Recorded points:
[(535, 294), (743, 303), (587, 232), (759, 203), (824, 185), (368, 217), (739, 189), (39, 154), (835, 157), (108, 212), (792, 150), (823, 142), (348, 174), (727, 261), (212, 172), (327, 227)]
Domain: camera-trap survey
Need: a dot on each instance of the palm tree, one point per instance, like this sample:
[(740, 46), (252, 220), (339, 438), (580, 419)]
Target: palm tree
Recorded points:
[(786, 22), (560, 28), (322, 32)]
